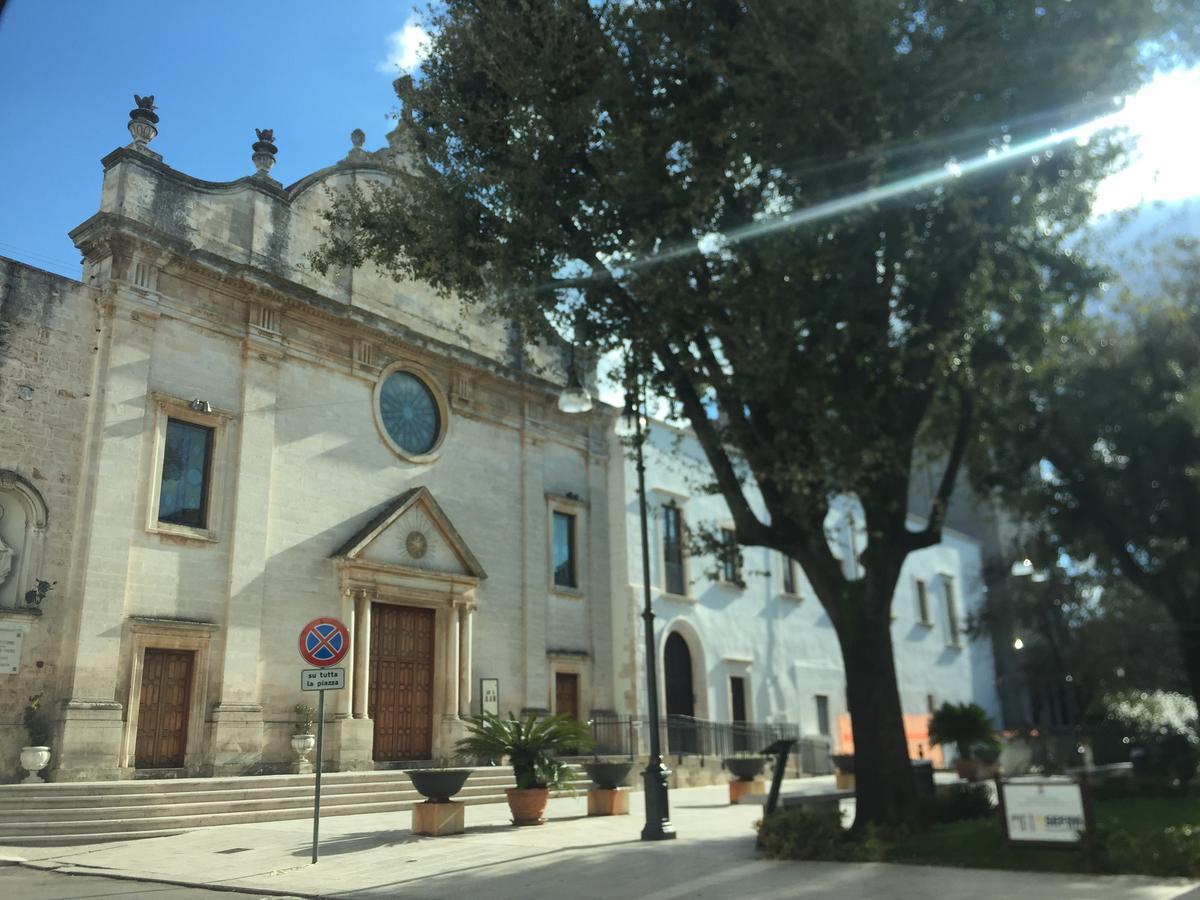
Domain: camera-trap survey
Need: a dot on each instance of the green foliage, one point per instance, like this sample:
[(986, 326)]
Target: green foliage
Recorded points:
[(672, 177), (37, 723), (799, 833), (530, 746), (962, 724), (1162, 729), (1164, 852), (305, 718), (958, 802), (1102, 446)]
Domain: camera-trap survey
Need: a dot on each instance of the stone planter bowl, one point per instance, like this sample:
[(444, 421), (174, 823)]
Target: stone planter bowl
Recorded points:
[(438, 785), (608, 775), (33, 760), (844, 763), (744, 768)]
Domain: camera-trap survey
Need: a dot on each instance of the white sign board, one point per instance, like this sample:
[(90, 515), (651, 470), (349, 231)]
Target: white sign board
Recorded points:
[(10, 651), (322, 679), (489, 696), (1044, 811)]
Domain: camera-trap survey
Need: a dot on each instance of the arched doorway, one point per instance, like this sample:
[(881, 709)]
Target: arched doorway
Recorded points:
[(681, 698)]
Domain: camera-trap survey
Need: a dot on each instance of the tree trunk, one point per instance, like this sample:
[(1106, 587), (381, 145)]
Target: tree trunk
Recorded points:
[(882, 771)]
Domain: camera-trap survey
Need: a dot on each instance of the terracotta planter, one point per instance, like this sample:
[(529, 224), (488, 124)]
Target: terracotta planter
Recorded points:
[(527, 805)]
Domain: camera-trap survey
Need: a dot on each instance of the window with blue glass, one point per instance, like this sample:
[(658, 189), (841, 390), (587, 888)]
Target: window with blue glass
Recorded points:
[(565, 574), (187, 464), (409, 413)]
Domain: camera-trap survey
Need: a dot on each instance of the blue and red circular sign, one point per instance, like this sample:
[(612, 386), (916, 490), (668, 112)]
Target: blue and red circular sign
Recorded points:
[(324, 642)]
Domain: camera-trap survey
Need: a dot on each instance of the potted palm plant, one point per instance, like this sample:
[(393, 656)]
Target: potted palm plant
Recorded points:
[(530, 746), (964, 725)]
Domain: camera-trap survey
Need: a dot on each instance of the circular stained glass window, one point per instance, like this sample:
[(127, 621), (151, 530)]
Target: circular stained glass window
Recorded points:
[(409, 412)]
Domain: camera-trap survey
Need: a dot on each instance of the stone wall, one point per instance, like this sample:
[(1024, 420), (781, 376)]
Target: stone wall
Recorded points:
[(49, 330)]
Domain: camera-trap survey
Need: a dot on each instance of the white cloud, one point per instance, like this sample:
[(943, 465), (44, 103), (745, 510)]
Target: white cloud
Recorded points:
[(406, 47)]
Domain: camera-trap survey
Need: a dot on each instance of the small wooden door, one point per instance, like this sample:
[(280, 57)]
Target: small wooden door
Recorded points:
[(400, 701), (163, 709), (566, 694)]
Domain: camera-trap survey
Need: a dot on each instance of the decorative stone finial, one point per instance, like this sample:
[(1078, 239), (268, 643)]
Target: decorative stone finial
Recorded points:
[(142, 122), (356, 150), (264, 150)]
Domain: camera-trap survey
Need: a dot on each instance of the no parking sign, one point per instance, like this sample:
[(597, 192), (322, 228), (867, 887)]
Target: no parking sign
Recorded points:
[(324, 642)]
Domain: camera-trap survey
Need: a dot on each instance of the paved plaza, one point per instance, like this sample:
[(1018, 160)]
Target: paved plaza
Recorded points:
[(571, 856)]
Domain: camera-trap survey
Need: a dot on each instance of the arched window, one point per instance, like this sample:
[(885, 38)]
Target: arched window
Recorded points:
[(23, 519)]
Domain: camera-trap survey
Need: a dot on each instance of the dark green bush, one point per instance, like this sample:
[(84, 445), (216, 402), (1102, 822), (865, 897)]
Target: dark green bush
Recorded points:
[(1167, 852), (807, 834), (958, 802)]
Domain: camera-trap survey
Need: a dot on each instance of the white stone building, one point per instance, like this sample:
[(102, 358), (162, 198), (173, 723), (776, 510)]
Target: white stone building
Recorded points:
[(767, 652), (204, 445)]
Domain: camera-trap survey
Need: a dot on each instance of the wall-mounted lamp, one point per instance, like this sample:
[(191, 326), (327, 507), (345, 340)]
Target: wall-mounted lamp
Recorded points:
[(35, 596), (200, 406)]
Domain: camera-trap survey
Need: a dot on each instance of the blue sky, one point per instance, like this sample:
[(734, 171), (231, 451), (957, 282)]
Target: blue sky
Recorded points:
[(313, 71)]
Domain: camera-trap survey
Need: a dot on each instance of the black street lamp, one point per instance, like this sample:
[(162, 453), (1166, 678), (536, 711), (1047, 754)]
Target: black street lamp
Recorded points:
[(658, 810)]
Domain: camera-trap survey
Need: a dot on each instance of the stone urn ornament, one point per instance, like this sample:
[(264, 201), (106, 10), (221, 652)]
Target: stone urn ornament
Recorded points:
[(143, 122), (303, 741), (264, 151), (36, 755)]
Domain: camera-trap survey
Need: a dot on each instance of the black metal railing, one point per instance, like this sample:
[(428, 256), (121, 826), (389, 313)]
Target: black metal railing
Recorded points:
[(614, 735), (699, 737)]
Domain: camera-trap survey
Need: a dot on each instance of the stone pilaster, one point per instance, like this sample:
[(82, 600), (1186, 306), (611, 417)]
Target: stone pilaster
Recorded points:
[(92, 719)]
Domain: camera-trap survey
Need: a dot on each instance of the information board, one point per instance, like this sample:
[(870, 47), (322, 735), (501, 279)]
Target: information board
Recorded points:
[(1043, 811), (10, 651), (489, 696)]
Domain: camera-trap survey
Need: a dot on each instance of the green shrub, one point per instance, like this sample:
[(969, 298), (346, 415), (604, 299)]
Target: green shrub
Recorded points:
[(1160, 727), (957, 803), (961, 724), (808, 834), (1166, 852)]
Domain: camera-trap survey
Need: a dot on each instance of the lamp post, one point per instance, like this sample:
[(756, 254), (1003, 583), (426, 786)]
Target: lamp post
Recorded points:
[(658, 825)]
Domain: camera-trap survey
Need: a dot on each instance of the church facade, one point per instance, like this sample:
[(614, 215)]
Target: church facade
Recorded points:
[(206, 444)]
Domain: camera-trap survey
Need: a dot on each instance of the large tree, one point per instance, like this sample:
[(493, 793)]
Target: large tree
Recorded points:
[(1107, 435), (646, 175)]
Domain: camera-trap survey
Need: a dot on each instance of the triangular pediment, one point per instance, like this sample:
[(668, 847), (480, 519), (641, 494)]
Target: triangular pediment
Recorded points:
[(413, 533)]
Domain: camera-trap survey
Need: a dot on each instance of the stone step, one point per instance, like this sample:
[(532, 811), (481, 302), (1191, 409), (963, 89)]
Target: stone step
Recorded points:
[(37, 799), (217, 802), (89, 831), (84, 812)]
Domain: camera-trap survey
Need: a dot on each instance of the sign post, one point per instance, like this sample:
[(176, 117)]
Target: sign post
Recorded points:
[(323, 643)]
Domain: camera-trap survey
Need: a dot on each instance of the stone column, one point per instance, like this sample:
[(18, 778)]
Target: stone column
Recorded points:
[(464, 659), (362, 669), (453, 661), (352, 734), (90, 743), (237, 735), (535, 583)]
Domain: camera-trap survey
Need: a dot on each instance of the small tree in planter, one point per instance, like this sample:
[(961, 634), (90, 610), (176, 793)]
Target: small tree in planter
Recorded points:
[(35, 756), (531, 746), (964, 725)]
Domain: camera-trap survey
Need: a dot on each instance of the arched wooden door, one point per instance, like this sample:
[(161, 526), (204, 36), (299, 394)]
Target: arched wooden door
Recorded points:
[(681, 697)]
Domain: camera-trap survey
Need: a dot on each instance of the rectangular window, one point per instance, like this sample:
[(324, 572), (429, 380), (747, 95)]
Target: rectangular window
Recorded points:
[(673, 549), (564, 551), (929, 704), (729, 557), (951, 610), (789, 575), (823, 714), (923, 602), (186, 471)]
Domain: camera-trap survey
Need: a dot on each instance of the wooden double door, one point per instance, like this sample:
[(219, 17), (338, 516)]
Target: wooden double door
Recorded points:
[(400, 698), (163, 709)]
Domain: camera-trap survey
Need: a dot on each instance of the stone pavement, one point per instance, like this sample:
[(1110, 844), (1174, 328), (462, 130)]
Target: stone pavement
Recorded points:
[(376, 856)]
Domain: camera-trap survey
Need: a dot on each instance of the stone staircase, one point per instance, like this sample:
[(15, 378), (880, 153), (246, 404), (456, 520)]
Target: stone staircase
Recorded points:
[(87, 812)]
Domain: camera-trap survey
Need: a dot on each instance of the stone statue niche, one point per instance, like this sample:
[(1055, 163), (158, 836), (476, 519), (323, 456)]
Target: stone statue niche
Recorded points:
[(22, 529)]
